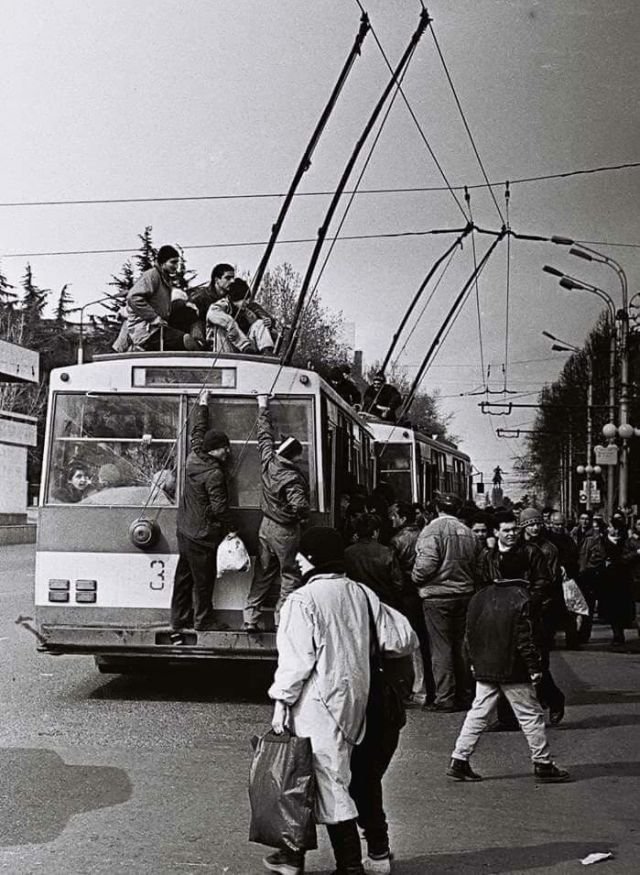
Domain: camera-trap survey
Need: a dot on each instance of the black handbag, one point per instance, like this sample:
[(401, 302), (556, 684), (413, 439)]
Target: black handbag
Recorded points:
[(388, 680)]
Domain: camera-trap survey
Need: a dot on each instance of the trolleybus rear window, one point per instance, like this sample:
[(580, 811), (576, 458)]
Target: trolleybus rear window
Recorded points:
[(394, 466), (237, 418), (113, 451)]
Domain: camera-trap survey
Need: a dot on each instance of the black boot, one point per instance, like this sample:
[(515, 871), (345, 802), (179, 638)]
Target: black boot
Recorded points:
[(345, 842)]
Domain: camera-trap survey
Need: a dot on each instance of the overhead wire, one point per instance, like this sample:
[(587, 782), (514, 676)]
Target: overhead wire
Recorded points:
[(507, 198), (426, 304), (464, 120), (523, 180), (421, 132), (363, 170), (467, 198)]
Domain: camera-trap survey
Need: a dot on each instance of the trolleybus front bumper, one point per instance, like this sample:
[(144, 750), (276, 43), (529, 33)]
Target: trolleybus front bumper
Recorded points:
[(156, 642)]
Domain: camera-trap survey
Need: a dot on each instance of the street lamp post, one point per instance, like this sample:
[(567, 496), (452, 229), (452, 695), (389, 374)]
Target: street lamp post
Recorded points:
[(570, 283), (585, 252)]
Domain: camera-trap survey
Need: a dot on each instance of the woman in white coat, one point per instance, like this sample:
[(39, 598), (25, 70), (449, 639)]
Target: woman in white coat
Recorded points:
[(321, 685)]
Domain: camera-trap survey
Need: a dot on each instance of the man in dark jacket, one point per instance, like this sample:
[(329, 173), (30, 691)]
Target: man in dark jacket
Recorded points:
[(504, 659), (369, 562), (382, 399), (285, 505), (513, 558), (445, 573), (403, 543), (344, 385), (203, 521)]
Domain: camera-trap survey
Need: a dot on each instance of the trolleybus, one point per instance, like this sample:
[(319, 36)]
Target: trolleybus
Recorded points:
[(416, 466), (105, 561)]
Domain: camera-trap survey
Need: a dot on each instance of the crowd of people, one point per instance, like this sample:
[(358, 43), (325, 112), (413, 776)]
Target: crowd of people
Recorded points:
[(484, 593)]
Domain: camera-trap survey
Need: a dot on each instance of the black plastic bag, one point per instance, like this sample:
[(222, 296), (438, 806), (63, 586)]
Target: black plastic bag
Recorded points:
[(282, 793)]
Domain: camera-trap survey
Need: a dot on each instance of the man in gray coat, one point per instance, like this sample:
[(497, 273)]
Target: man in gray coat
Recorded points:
[(445, 572), (285, 504)]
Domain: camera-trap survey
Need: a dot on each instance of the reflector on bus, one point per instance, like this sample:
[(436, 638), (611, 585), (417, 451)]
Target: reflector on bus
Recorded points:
[(219, 378)]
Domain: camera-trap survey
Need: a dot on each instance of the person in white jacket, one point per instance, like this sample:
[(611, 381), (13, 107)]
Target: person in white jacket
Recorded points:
[(321, 685)]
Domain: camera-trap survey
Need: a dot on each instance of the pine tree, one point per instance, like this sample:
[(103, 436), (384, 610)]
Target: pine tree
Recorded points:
[(32, 305), (63, 307), (145, 258)]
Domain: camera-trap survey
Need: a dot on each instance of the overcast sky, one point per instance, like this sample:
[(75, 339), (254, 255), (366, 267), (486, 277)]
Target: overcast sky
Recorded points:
[(111, 99)]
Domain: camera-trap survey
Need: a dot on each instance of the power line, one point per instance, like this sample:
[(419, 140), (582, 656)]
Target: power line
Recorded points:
[(423, 136), (228, 245), (280, 194), (464, 121), (389, 235)]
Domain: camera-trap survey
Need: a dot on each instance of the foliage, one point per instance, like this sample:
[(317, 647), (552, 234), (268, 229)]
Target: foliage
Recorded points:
[(319, 345), (559, 441)]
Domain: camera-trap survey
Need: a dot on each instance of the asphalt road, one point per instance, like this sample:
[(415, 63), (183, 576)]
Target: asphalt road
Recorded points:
[(107, 774)]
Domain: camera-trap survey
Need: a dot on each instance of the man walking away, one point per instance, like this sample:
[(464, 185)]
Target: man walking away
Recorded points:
[(321, 688), (203, 520), (504, 659), (445, 573), (285, 504)]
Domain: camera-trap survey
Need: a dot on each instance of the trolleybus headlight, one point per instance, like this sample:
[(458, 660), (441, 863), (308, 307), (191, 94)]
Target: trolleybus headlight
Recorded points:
[(143, 533)]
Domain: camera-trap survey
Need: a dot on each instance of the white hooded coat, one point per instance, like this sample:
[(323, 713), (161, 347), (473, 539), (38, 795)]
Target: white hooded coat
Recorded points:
[(323, 675)]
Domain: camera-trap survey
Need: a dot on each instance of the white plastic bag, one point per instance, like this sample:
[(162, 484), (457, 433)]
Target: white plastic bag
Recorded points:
[(232, 556), (573, 598)]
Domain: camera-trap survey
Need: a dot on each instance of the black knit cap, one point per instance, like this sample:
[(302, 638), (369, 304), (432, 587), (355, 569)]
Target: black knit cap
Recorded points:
[(165, 253), (214, 440), (322, 545)]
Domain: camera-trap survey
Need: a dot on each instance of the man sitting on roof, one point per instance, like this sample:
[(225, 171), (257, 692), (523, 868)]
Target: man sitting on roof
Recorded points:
[(382, 399)]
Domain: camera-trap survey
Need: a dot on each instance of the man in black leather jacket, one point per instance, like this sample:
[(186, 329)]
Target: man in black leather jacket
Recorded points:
[(203, 521), (513, 558)]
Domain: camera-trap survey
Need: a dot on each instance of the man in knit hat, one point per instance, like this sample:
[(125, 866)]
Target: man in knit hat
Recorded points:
[(149, 309), (285, 504), (203, 521)]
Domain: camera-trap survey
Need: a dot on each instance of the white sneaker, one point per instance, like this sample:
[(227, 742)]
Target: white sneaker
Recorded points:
[(380, 867)]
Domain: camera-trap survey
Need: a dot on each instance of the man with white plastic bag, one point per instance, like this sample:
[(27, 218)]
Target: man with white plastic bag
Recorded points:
[(321, 685)]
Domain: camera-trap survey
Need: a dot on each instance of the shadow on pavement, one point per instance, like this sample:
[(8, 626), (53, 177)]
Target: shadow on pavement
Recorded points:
[(42, 792), (220, 682), (599, 721), (496, 860), (588, 771)]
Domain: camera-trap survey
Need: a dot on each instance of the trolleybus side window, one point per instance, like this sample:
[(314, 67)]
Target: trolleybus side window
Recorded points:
[(124, 444), (236, 417)]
